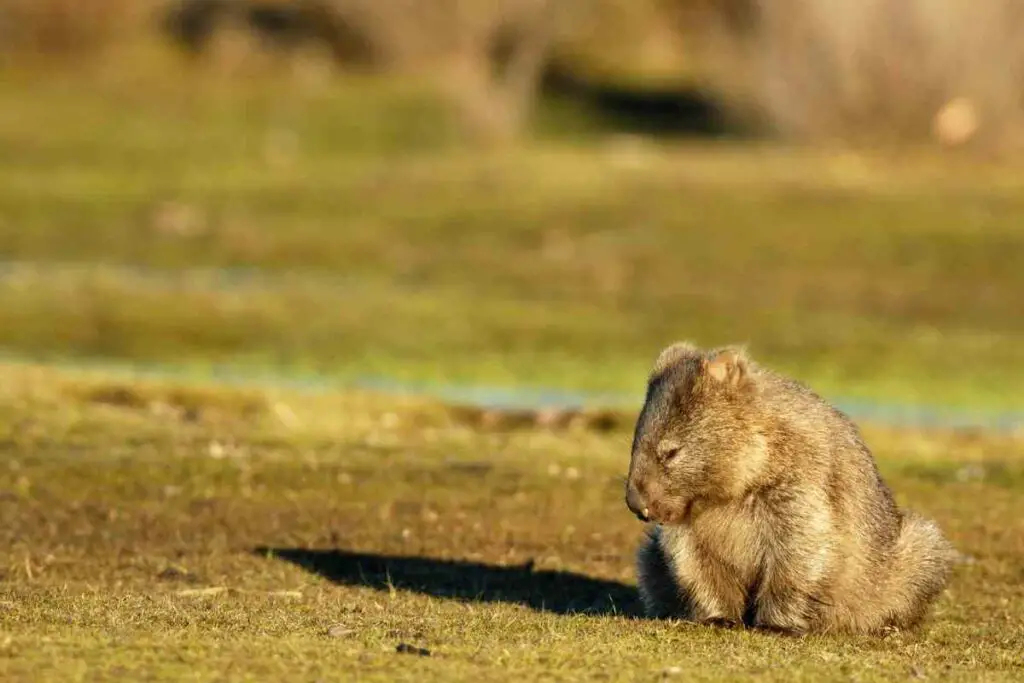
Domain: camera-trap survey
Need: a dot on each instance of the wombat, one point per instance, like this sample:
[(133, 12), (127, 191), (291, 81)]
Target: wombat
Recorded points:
[(769, 510)]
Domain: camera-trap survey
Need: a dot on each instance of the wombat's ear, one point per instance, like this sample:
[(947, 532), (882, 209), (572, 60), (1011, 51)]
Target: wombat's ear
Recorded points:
[(671, 354), (729, 366)]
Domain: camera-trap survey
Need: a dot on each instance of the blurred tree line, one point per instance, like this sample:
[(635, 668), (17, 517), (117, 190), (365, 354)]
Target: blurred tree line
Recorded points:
[(946, 70)]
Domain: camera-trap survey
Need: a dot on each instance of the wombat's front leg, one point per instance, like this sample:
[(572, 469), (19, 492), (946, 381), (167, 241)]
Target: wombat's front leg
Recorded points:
[(706, 591), (794, 566), (783, 608)]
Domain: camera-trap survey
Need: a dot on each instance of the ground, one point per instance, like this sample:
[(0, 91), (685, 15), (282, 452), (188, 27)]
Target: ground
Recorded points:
[(161, 532)]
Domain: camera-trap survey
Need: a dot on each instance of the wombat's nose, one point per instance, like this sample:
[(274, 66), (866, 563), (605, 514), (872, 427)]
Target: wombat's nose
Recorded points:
[(635, 502)]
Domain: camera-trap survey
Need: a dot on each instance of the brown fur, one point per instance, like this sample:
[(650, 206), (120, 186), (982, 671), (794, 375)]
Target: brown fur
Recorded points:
[(769, 509)]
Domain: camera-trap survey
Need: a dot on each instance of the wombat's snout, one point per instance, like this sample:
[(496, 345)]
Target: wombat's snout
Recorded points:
[(635, 502)]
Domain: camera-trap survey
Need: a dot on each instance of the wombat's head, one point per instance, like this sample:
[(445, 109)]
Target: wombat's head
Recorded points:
[(697, 437)]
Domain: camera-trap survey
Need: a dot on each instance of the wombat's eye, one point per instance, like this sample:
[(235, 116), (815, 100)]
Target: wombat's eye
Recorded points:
[(668, 451)]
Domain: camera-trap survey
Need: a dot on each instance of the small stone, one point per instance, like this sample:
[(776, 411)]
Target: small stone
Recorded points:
[(491, 419), (970, 473), (964, 558), (339, 631), (406, 649), (552, 418), (202, 592), (173, 573), (672, 671)]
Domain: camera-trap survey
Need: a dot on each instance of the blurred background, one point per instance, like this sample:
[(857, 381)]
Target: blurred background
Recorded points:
[(520, 195)]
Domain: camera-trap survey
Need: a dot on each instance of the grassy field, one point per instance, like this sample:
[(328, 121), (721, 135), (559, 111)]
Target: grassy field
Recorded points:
[(341, 230), (163, 532), (366, 241)]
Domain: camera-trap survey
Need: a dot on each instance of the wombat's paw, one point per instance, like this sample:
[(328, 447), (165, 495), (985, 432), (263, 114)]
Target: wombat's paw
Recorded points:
[(788, 630), (722, 622)]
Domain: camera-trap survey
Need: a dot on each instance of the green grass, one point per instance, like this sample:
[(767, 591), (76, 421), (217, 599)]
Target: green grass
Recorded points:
[(562, 263), (161, 532)]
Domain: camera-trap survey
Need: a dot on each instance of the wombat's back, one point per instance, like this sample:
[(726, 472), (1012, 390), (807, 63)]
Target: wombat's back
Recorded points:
[(891, 565)]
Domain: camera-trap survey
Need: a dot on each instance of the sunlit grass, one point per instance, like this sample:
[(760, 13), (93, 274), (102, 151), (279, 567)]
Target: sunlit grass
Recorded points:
[(139, 518)]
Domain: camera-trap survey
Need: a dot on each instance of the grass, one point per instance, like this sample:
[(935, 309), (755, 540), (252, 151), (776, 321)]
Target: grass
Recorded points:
[(170, 532), (386, 248)]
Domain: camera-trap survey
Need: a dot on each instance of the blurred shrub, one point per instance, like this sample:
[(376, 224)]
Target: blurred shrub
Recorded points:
[(275, 24), (809, 69), (487, 57), (898, 69), (67, 28)]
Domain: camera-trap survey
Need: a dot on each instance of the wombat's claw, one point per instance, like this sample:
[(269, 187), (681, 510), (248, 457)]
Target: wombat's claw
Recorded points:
[(788, 631), (722, 622)]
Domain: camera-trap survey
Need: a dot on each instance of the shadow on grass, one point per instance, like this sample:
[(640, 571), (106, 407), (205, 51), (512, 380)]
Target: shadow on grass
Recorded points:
[(548, 591)]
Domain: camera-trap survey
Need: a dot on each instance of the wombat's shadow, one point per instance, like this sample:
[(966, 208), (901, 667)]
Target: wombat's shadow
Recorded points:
[(543, 590)]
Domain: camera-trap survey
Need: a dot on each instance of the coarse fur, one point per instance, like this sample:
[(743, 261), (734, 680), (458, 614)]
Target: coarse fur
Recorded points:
[(769, 510)]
